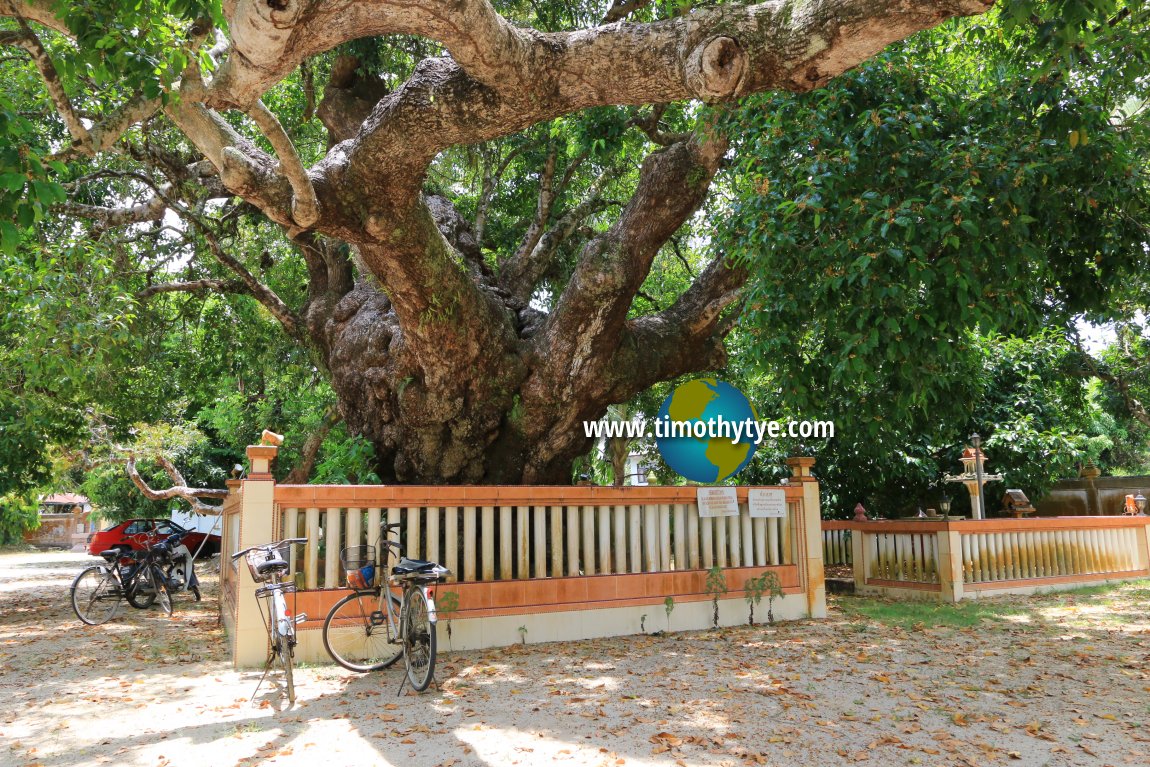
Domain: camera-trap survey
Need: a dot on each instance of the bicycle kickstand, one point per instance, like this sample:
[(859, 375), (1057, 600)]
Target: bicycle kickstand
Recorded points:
[(267, 667)]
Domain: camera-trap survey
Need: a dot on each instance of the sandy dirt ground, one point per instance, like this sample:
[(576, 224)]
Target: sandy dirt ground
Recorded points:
[(1056, 680)]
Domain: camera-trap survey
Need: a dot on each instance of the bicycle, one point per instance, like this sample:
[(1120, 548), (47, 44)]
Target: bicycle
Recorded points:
[(96, 592), (268, 563), (164, 570), (362, 629)]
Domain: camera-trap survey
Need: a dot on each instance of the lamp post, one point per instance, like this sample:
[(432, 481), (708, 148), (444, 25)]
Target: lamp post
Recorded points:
[(944, 506), (1140, 502), (977, 442)]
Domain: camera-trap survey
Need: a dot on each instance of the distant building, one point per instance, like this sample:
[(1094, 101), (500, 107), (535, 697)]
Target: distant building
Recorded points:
[(65, 522)]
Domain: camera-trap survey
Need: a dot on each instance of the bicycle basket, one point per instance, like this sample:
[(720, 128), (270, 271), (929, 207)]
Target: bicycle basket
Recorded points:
[(359, 566), (257, 557)]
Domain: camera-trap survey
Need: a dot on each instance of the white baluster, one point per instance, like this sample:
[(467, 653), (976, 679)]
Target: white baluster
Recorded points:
[(469, 542), (522, 542), (506, 539), (680, 536), (604, 513), (311, 578), (451, 541), (487, 566)]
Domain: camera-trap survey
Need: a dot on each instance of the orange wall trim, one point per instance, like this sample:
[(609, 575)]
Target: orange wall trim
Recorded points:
[(1055, 581), (590, 592), (382, 496)]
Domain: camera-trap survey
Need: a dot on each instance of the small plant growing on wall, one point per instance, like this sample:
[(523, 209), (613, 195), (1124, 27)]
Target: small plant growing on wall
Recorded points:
[(447, 604), (669, 607), (716, 587), (643, 623), (523, 634), (767, 583)]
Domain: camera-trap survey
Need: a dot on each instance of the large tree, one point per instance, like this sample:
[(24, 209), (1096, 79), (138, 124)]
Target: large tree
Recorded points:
[(433, 342)]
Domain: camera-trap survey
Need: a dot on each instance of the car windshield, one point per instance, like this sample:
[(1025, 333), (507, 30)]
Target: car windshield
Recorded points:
[(168, 527)]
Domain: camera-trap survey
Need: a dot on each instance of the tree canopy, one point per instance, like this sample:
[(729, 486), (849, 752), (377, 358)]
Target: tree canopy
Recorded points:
[(436, 239)]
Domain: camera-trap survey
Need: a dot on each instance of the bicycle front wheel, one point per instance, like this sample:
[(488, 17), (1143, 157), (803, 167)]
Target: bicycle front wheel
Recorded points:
[(95, 595), (418, 639), (160, 585), (285, 653), (355, 632)]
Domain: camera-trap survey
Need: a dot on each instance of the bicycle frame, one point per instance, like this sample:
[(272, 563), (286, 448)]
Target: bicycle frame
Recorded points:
[(278, 619), (395, 625)]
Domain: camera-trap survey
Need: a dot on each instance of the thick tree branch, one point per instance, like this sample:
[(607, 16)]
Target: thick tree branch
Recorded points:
[(712, 55), (244, 169), (621, 9), (179, 487), (28, 40), (543, 206), (522, 273), (269, 40), (134, 110), (304, 207), (688, 335), (582, 336), (194, 286), (152, 210)]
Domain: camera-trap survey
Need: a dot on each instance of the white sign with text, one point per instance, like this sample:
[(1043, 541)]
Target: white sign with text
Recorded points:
[(769, 503), (718, 502)]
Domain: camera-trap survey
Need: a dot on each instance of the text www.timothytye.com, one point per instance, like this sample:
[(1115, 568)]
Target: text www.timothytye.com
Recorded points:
[(746, 430)]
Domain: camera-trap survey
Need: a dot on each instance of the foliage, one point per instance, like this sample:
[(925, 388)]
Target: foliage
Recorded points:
[(669, 607), (114, 498), (900, 188), (753, 590), (447, 604), (17, 514), (716, 586)]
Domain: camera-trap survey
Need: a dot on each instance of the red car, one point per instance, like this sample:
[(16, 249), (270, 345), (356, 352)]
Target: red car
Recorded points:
[(132, 534)]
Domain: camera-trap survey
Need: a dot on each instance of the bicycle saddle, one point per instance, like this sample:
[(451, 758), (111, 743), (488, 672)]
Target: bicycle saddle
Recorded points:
[(271, 564), (111, 554), (407, 566)]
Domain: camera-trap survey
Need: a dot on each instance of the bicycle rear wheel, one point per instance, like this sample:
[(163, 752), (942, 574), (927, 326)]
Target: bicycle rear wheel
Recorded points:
[(418, 639), (138, 591), (95, 595), (353, 639)]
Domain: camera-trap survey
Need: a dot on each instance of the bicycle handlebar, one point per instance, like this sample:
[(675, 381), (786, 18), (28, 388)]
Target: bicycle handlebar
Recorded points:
[(268, 546)]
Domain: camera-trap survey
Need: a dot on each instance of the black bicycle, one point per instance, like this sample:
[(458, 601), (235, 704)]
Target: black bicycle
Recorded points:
[(132, 576), (362, 629)]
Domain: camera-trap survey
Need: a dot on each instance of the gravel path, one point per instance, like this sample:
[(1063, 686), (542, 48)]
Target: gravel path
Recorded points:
[(1056, 680)]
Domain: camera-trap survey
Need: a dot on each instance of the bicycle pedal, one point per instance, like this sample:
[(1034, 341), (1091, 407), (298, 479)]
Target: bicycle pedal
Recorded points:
[(300, 618)]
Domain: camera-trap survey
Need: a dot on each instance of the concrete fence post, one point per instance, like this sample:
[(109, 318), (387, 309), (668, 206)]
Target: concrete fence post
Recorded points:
[(257, 526), (859, 564), (810, 532), (950, 564)]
